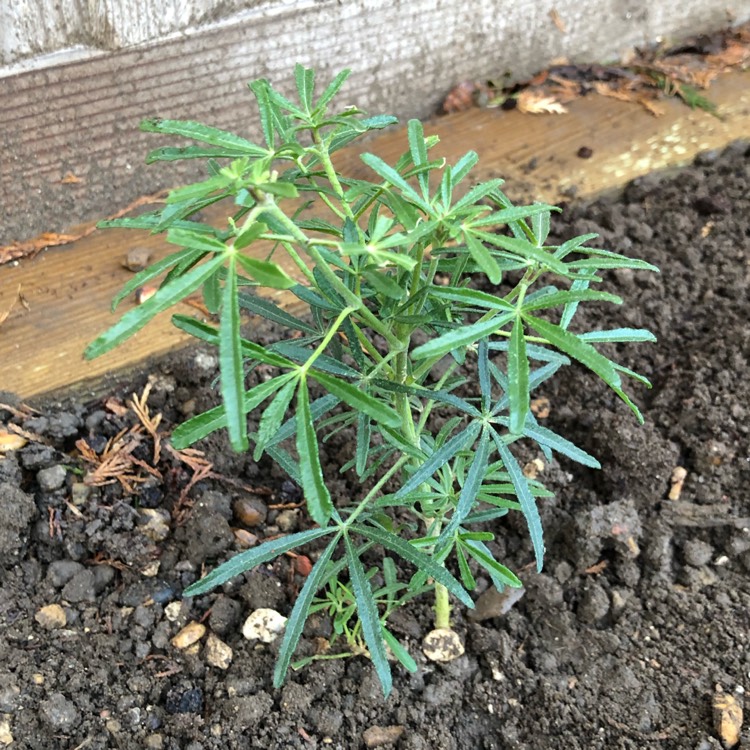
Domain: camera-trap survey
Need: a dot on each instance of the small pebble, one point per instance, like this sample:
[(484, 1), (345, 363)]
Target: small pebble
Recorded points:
[(59, 713), (81, 587), (51, 479), (61, 571), (697, 553), (137, 259), (180, 701), (442, 645), (380, 736), (190, 634), (250, 511), (264, 625), (288, 520), (6, 738), (51, 617), (154, 523), (492, 603), (218, 653)]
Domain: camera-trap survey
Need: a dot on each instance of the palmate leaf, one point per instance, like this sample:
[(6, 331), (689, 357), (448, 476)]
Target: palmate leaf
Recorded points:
[(367, 611)]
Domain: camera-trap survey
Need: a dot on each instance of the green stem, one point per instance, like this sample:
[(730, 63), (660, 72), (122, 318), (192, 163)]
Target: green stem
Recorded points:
[(442, 607)]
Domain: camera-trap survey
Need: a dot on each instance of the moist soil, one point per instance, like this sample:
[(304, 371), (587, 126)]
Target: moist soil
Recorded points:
[(639, 617)]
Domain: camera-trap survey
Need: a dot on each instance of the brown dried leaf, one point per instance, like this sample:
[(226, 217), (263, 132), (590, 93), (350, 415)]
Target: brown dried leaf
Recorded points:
[(735, 54), (538, 103), (10, 441), (70, 179), (728, 719), (559, 23)]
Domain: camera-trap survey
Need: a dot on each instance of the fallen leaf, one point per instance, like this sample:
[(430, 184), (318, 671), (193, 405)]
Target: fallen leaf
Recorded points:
[(559, 23), (70, 179), (728, 719), (539, 103), (596, 568), (10, 442)]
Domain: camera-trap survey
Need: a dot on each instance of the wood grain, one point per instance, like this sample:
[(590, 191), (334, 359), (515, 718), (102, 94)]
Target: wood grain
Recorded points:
[(68, 289)]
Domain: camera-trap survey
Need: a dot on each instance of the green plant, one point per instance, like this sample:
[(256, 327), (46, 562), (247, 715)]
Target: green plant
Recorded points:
[(395, 333)]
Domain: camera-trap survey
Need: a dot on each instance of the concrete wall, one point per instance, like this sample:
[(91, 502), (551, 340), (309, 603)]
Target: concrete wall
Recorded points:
[(78, 109)]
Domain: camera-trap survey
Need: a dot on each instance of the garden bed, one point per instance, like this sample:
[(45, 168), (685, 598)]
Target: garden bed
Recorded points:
[(641, 611)]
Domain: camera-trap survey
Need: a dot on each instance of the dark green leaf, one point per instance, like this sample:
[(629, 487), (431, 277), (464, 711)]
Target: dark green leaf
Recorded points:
[(369, 619), (230, 362), (482, 257), (296, 622), (419, 559), (482, 555), (154, 270), (214, 419), (272, 418), (199, 132), (266, 273), (618, 335), (270, 311), (313, 484), (250, 349), (171, 153), (518, 378), (525, 498), (389, 174), (440, 457), (471, 297), (333, 87), (546, 301), (459, 337), (398, 650), (577, 349), (252, 558), (136, 318), (358, 399)]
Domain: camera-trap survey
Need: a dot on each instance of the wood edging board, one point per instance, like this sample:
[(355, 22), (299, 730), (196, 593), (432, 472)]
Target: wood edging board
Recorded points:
[(68, 290)]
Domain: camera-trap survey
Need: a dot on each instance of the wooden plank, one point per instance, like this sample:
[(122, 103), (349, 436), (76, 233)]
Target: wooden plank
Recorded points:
[(69, 289), (82, 117)]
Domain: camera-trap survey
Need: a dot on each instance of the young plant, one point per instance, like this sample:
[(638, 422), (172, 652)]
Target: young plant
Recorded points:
[(396, 332)]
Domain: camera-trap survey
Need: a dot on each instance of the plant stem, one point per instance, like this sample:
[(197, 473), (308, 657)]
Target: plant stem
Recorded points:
[(442, 607)]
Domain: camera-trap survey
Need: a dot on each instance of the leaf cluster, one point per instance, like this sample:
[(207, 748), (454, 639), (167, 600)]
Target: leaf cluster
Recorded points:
[(396, 331)]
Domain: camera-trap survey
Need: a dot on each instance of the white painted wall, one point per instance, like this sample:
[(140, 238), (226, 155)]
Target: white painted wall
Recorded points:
[(595, 29)]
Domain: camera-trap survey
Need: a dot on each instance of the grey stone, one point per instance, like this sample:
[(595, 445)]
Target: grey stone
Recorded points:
[(51, 479), (17, 509), (61, 571), (225, 614), (697, 553), (59, 713), (594, 604), (247, 711), (81, 587)]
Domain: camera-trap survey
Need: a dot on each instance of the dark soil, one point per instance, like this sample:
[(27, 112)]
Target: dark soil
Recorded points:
[(642, 610)]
